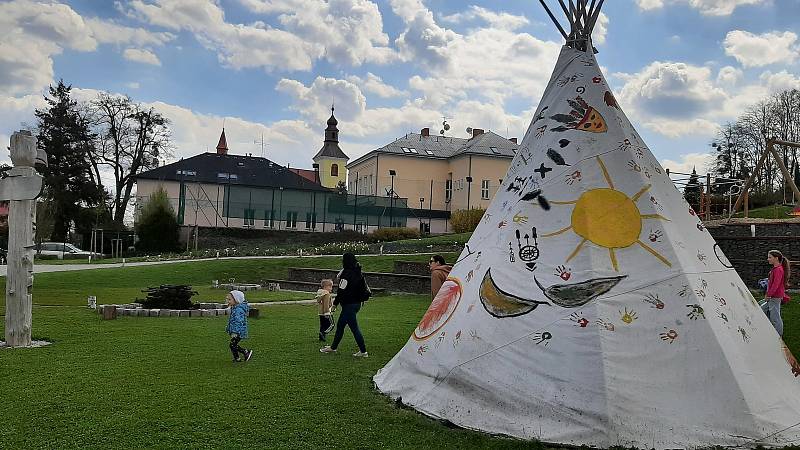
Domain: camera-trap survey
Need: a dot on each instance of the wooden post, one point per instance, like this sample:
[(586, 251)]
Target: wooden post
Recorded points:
[(786, 176), (746, 204), (747, 185), (708, 196), (19, 278), (21, 188)]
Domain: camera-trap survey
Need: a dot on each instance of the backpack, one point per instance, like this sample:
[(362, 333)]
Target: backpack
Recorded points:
[(366, 292)]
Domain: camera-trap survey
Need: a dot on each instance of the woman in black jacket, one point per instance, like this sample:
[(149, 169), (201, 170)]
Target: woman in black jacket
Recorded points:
[(351, 292)]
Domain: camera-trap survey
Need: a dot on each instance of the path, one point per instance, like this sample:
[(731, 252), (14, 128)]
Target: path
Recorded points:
[(44, 268)]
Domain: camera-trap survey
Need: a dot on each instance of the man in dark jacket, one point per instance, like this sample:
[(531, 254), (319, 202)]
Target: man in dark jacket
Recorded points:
[(439, 272)]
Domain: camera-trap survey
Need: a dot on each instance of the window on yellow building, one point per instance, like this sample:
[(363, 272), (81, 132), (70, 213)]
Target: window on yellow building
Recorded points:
[(334, 170), (484, 189)]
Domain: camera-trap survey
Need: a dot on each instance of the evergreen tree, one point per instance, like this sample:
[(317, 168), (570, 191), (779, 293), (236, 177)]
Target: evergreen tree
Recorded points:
[(693, 189), (157, 227), (68, 181)]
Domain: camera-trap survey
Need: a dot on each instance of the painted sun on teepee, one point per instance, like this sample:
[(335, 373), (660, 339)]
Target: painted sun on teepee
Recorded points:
[(608, 316)]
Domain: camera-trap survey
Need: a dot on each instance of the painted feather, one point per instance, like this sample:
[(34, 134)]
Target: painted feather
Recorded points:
[(439, 306), (556, 157)]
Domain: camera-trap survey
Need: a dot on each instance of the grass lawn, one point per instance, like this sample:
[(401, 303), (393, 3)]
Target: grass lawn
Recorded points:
[(169, 382), (123, 284), (768, 212)]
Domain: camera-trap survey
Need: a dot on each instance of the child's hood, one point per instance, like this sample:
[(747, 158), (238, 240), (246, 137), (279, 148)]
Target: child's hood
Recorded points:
[(238, 296)]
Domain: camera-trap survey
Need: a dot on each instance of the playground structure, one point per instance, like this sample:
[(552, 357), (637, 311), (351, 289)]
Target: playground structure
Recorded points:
[(786, 176), (705, 205), (709, 187)]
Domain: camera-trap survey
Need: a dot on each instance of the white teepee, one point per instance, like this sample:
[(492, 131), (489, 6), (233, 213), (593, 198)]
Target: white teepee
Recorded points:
[(591, 306)]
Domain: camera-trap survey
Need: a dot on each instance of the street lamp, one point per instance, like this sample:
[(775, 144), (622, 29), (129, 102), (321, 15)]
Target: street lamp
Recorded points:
[(392, 173), (421, 201), (469, 184)]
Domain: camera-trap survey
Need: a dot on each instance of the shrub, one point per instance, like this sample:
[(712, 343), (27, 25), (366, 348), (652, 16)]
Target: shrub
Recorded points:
[(466, 220), (157, 227), (393, 234)]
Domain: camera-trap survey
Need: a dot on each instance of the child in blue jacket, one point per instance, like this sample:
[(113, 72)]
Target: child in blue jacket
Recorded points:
[(237, 325)]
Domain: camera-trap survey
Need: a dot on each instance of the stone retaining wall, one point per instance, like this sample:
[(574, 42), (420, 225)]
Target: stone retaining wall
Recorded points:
[(748, 254), (134, 310), (412, 268), (392, 282)]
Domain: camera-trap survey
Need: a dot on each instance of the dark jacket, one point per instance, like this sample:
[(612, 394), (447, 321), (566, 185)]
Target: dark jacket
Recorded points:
[(351, 283)]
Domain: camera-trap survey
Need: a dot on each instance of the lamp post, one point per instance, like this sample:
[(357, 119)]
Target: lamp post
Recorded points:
[(469, 184), (392, 173), (421, 201)]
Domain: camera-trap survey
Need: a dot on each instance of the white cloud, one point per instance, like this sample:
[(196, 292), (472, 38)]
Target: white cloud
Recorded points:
[(502, 20), (374, 84), (600, 29), (678, 99), (779, 82), (106, 32), (707, 7), (141, 55), (34, 32), (132, 85), (237, 45), (699, 161), (756, 50), (486, 64), (729, 77), (340, 31)]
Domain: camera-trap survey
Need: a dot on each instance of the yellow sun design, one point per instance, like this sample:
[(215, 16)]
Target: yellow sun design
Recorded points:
[(608, 218)]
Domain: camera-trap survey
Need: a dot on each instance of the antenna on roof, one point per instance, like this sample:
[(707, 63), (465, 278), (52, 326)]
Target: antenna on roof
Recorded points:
[(445, 125)]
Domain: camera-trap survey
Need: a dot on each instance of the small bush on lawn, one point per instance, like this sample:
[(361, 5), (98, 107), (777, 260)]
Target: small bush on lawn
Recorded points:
[(168, 296), (466, 220), (393, 234)]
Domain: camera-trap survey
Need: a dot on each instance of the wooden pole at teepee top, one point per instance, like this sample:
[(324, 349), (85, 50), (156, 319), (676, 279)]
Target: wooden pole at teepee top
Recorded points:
[(553, 18)]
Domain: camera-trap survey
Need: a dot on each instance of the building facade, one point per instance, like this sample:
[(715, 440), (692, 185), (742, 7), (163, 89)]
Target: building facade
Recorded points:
[(436, 174)]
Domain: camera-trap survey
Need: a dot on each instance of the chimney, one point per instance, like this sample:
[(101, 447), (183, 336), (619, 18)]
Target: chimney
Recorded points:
[(476, 132), (425, 132), (514, 140)]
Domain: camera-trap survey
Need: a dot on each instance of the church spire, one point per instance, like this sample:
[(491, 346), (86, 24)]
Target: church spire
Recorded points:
[(222, 146)]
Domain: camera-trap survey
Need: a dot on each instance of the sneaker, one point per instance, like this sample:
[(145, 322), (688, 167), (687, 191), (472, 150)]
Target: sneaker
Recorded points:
[(327, 349), (361, 354), (248, 355), (236, 360)]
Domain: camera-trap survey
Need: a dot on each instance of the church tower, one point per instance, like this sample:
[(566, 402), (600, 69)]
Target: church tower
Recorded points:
[(331, 158)]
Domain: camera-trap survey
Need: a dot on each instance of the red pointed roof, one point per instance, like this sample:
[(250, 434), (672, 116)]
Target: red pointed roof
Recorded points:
[(222, 146)]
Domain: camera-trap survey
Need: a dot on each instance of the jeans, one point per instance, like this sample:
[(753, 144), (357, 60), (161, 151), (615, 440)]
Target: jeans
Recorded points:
[(348, 317), (772, 308)]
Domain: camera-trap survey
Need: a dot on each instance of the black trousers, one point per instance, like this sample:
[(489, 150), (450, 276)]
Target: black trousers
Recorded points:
[(325, 326), (236, 349)]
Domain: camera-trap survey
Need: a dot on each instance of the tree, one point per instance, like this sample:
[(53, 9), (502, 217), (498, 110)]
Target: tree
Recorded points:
[(130, 139), (69, 183), (341, 188), (157, 227), (693, 189)]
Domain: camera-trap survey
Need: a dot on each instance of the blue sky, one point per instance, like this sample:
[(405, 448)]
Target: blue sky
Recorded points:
[(272, 67)]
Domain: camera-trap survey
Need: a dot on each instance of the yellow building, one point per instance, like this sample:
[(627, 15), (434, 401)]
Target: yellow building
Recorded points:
[(436, 174), (331, 159)]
